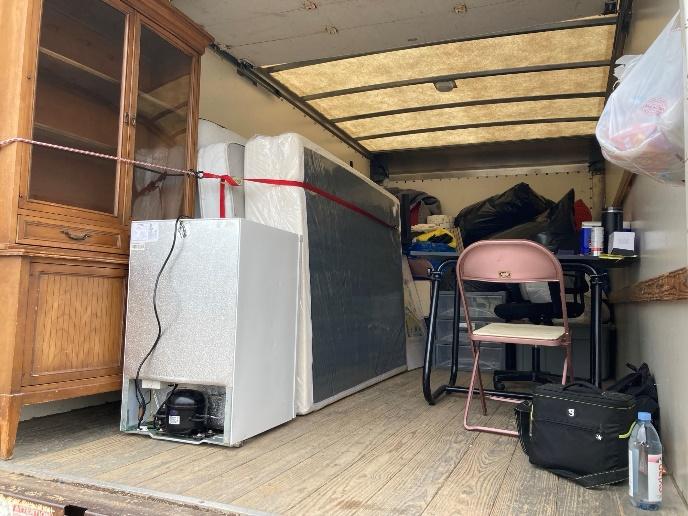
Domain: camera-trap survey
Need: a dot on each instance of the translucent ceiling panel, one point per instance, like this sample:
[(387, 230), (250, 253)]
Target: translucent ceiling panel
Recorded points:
[(586, 80), (529, 110), (481, 135), (542, 48)]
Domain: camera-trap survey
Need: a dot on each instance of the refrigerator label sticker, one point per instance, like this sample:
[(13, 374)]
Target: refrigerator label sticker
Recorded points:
[(145, 232)]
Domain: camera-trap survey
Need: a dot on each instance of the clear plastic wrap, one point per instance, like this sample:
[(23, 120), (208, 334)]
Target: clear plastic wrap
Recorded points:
[(220, 151), (351, 314), (641, 127)]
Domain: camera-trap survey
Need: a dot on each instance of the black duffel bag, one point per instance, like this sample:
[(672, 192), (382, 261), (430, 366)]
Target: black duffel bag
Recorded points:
[(577, 431), (641, 384)]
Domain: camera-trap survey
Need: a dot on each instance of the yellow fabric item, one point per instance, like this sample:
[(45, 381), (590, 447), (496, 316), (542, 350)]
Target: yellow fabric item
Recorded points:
[(437, 232)]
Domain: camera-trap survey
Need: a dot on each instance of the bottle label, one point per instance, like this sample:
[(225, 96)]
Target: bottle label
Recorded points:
[(631, 490), (654, 478)]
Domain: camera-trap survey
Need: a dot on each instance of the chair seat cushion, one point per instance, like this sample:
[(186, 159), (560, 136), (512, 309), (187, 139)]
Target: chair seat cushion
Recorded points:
[(521, 331)]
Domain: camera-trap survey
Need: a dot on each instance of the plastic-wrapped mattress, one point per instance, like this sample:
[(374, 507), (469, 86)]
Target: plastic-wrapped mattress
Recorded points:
[(351, 314), (220, 151)]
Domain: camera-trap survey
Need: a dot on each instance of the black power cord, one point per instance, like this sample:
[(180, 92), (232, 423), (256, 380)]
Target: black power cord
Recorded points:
[(140, 398)]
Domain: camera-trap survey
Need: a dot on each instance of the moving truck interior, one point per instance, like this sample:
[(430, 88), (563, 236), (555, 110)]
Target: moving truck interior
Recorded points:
[(258, 256)]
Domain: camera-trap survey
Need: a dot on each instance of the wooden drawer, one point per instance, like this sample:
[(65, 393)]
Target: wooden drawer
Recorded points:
[(48, 232)]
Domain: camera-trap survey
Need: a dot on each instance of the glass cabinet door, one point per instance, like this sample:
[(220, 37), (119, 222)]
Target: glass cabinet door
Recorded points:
[(164, 87), (77, 103)]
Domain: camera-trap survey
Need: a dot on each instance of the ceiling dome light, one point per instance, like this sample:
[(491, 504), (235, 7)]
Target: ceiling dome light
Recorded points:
[(445, 86)]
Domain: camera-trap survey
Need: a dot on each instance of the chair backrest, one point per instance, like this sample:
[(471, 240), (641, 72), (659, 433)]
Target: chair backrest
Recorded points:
[(510, 261)]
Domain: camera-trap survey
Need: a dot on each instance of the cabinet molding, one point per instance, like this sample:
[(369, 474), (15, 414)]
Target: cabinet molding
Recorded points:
[(164, 15)]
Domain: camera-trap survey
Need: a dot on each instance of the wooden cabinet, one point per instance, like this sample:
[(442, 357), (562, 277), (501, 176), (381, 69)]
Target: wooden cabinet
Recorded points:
[(113, 77)]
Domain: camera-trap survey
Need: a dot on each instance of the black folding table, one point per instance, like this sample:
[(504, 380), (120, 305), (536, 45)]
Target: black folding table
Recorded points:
[(594, 267)]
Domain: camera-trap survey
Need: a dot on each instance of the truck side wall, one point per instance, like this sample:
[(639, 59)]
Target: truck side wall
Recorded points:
[(656, 332)]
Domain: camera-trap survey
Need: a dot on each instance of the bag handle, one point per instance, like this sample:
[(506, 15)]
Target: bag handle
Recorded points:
[(581, 383)]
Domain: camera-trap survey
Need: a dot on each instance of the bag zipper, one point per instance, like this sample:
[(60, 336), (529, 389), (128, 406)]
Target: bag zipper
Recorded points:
[(598, 430)]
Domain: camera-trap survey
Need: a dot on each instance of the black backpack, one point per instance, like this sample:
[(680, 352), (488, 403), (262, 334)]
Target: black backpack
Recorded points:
[(641, 384)]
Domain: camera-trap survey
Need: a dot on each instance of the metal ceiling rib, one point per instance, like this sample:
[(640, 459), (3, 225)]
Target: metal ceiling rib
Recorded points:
[(485, 102), (483, 115), (501, 133), (595, 21), (555, 50), (504, 88), (481, 125)]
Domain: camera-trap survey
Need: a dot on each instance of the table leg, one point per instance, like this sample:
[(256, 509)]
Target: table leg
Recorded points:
[(454, 371), (435, 278), (596, 330)]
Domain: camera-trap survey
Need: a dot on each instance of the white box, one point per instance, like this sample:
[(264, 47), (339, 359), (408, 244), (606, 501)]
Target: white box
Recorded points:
[(622, 242)]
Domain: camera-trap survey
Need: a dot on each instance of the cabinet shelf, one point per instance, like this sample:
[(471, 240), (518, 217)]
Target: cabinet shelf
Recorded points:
[(78, 70), (61, 137), (59, 58)]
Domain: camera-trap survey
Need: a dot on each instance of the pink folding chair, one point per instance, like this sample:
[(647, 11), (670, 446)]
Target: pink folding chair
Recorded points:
[(510, 261)]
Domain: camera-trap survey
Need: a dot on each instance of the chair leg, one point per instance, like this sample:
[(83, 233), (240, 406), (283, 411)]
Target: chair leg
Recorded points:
[(567, 373), (471, 386), (480, 383)]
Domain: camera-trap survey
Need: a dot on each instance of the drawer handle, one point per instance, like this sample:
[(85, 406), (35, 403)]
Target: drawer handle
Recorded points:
[(75, 236)]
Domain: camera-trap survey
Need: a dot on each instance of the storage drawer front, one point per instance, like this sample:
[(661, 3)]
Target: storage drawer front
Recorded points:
[(490, 358), (75, 322), (38, 231)]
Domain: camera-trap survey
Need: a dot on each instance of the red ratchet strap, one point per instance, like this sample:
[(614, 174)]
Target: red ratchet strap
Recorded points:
[(323, 193), (286, 182), (224, 178)]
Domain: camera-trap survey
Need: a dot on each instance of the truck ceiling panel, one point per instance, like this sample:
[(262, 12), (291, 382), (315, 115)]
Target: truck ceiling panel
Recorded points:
[(268, 32), (587, 44), (558, 82), (480, 135), (489, 113)]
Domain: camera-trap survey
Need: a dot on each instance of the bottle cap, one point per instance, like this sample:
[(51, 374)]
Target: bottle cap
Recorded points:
[(644, 416)]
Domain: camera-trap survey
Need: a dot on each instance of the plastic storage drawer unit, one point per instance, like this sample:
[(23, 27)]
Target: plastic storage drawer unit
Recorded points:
[(481, 305)]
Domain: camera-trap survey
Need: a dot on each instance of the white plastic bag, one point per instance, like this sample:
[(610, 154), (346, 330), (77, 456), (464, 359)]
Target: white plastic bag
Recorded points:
[(641, 127)]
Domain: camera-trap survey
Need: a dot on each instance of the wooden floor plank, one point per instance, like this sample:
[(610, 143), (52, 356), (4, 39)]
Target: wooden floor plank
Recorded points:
[(350, 490), (526, 490), (295, 484), (415, 485), (294, 433), (249, 475), (381, 451), (578, 501), (97, 457), (57, 432), (473, 485)]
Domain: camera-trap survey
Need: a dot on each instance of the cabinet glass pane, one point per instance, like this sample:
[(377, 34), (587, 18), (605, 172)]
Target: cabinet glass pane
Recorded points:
[(161, 125), (78, 93)]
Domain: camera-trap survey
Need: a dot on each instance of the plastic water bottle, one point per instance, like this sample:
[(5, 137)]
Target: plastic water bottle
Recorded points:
[(645, 465)]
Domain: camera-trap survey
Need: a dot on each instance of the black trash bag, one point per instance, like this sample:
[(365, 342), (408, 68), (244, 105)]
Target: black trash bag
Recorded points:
[(500, 212), (416, 196), (555, 228)]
